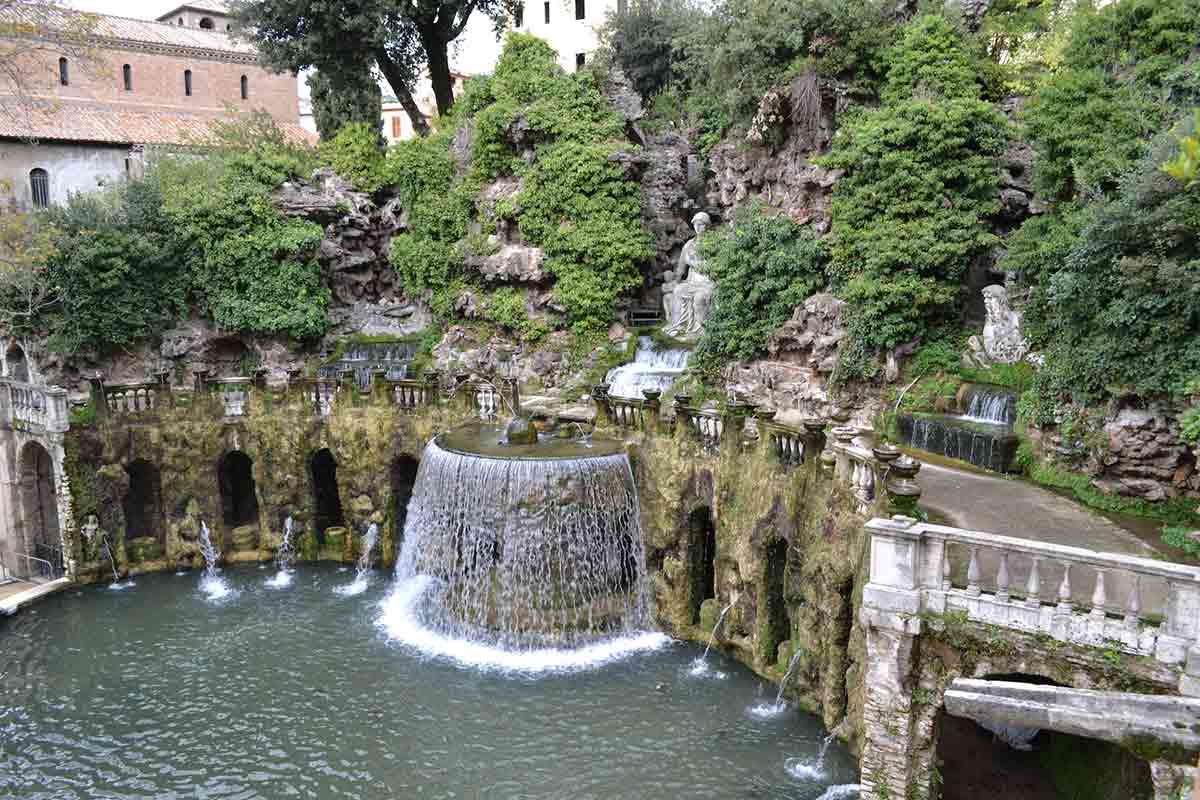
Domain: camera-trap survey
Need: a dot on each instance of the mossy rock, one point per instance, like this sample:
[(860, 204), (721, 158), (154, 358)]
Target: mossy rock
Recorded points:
[(710, 612), (143, 548), (245, 537), (335, 539)]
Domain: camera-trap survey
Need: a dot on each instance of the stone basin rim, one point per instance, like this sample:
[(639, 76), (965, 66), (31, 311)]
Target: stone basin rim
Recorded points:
[(498, 451)]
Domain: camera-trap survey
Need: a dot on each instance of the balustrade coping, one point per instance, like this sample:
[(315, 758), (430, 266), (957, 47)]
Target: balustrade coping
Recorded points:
[(909, 528), (35, 387)]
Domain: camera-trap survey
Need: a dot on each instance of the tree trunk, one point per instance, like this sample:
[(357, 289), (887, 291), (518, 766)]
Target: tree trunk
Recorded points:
[(395, 78), (437, 52)]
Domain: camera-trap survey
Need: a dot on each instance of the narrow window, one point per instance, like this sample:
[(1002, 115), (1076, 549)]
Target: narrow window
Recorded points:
[(395, 127), (519, 15), (128, 170), (245, 87), (64, 76), (39, 184), (127, 75), (580, 9), (187, 82), (206, 23), (181, 20), (546, 11), (580, 60), (622, 6)]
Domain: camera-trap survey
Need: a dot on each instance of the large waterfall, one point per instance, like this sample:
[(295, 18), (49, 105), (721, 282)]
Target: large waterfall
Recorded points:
[(522, 562)]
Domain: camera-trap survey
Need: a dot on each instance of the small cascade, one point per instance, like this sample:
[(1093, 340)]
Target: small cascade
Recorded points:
[(842, 791), (117, 584), (362, 574), (654, 368), (801, 769), (992, 404), (211, 583), (700, 665), (284, 558)]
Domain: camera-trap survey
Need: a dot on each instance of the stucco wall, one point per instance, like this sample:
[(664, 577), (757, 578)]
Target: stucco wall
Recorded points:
[(71, 167), (566, 34)]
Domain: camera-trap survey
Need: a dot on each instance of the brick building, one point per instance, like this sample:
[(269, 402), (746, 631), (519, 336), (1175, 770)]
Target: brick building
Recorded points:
[(81, 124)]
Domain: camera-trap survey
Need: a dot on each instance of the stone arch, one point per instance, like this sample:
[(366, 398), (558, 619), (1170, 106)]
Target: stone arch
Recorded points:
[(701, 559), (235, 479), (327, 500), (976, 761), (403, 477), (39, 506), (16, 364), (142, 503)]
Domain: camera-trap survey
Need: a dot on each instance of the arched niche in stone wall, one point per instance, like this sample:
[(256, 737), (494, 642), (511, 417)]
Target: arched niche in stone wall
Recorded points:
[(403, 476), (235, 479), (327, 501), (701, 559), (39, 507)]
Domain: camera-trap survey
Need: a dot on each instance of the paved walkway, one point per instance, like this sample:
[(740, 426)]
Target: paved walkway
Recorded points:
[(993, 504), (18, 595)]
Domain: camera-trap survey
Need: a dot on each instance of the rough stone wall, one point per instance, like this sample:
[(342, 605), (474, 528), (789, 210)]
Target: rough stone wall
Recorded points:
[(280, 437)]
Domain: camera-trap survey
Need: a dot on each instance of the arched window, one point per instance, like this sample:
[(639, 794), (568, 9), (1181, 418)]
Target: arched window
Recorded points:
[(64, 76), (245, 87), (187, 82), (206, 23), (127, 75), (39, 187)]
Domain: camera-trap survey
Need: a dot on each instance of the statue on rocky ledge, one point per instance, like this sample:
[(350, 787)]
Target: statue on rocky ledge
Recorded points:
[(1002, 342), (688, 292)]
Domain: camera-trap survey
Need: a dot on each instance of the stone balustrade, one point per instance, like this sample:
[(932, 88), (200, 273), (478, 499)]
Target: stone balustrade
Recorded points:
[(34, 408), (411, 395), (1138, 605)]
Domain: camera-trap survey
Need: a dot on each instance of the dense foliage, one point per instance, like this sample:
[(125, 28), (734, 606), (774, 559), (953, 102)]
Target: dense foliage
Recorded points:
[(576, 201), (910, 213), (764, 266), (196, 232), (338, 100)]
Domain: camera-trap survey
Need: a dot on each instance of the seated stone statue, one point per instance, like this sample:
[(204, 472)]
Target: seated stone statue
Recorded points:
[(1002, 342), (688, 292)]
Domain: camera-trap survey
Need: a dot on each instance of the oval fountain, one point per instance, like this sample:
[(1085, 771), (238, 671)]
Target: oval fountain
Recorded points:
[(522, 552)]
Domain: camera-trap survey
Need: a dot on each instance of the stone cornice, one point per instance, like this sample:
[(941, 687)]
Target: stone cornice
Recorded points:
[(160, 48)]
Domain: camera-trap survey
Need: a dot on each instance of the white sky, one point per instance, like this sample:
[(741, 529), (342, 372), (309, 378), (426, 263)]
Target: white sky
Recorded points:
[(477, 50)]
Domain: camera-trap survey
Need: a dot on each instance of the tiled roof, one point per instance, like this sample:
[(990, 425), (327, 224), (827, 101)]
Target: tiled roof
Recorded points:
[(111, 29), (211, 6), (98, 122)]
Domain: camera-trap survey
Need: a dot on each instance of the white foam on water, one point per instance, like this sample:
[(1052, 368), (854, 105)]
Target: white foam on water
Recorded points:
[(767, 710), (798, 768), (841, 791), (400, 622), (215, 587), (280, 580), (120, 586), (354, 588), (701, 669)]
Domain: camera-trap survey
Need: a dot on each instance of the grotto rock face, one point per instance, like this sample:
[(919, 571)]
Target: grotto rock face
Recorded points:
[(511, 263), (1145, 457), (358, 234)]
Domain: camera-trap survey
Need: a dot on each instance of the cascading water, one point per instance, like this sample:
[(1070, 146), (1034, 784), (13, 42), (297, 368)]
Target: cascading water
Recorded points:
[(362, 574), (284, 558), (526, 557), (700, 665), (779, 706), (654, 368), (211, 583), (798, 768), (989, 404), (983, 436)]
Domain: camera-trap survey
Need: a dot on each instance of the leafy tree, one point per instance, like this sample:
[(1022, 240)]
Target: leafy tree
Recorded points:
[(910, 213), (347, 37), (350, 98), (354, 153), (26, 288), (764, 266), (1185, 166)]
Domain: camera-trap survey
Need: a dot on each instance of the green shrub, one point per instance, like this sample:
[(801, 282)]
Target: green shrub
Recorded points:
[(355, 154), (764, 266), (506, 307), (1179, 537)]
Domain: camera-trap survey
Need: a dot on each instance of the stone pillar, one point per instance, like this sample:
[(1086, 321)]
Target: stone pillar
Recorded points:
[(432, 388), (843, 437), (600, 397), (511, 388), (903, 491), (891, 602), (762, 416), (653, 409)]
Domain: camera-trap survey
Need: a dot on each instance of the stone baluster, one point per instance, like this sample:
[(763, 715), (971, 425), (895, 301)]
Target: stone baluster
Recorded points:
[(1002, 578), (603, 408), (973, 588), (1064, 589), (1033, 586), (653, 409), (843, 436), (1099, 595), (945, 566), (1133, 609)]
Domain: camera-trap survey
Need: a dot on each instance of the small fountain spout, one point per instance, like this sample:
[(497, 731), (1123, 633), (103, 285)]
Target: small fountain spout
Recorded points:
[(787, 676), (284, 557), (700, 665), (362, 574), (212, 584), (112, 560)]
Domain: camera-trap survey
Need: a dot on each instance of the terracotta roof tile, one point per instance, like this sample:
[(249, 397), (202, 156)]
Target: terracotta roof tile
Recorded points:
[(143, 31), (96, 122)]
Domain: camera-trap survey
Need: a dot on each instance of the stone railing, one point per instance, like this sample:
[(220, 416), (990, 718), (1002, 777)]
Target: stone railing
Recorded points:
[(135, 398), (1139, 605), (33, 408), (234, 394), (627, 413), (411, 394)]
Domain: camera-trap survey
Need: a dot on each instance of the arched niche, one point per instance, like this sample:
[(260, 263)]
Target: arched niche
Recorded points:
[(327, 500), (142, 502), (39, 510), (403, 478), (17, 366), (701, 556), (235, 478)]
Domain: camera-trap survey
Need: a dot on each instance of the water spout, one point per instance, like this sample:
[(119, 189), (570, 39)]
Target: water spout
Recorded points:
[(211, 583), (700, 665), (284, 558), (117, 584), (362, 574), (800, 769)]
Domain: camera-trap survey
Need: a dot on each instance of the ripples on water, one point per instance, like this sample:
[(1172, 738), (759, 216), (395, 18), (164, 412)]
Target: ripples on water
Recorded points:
[(159, 692)]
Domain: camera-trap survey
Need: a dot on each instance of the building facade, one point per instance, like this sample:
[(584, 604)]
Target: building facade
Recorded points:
[(572, 27), (83, 123)]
